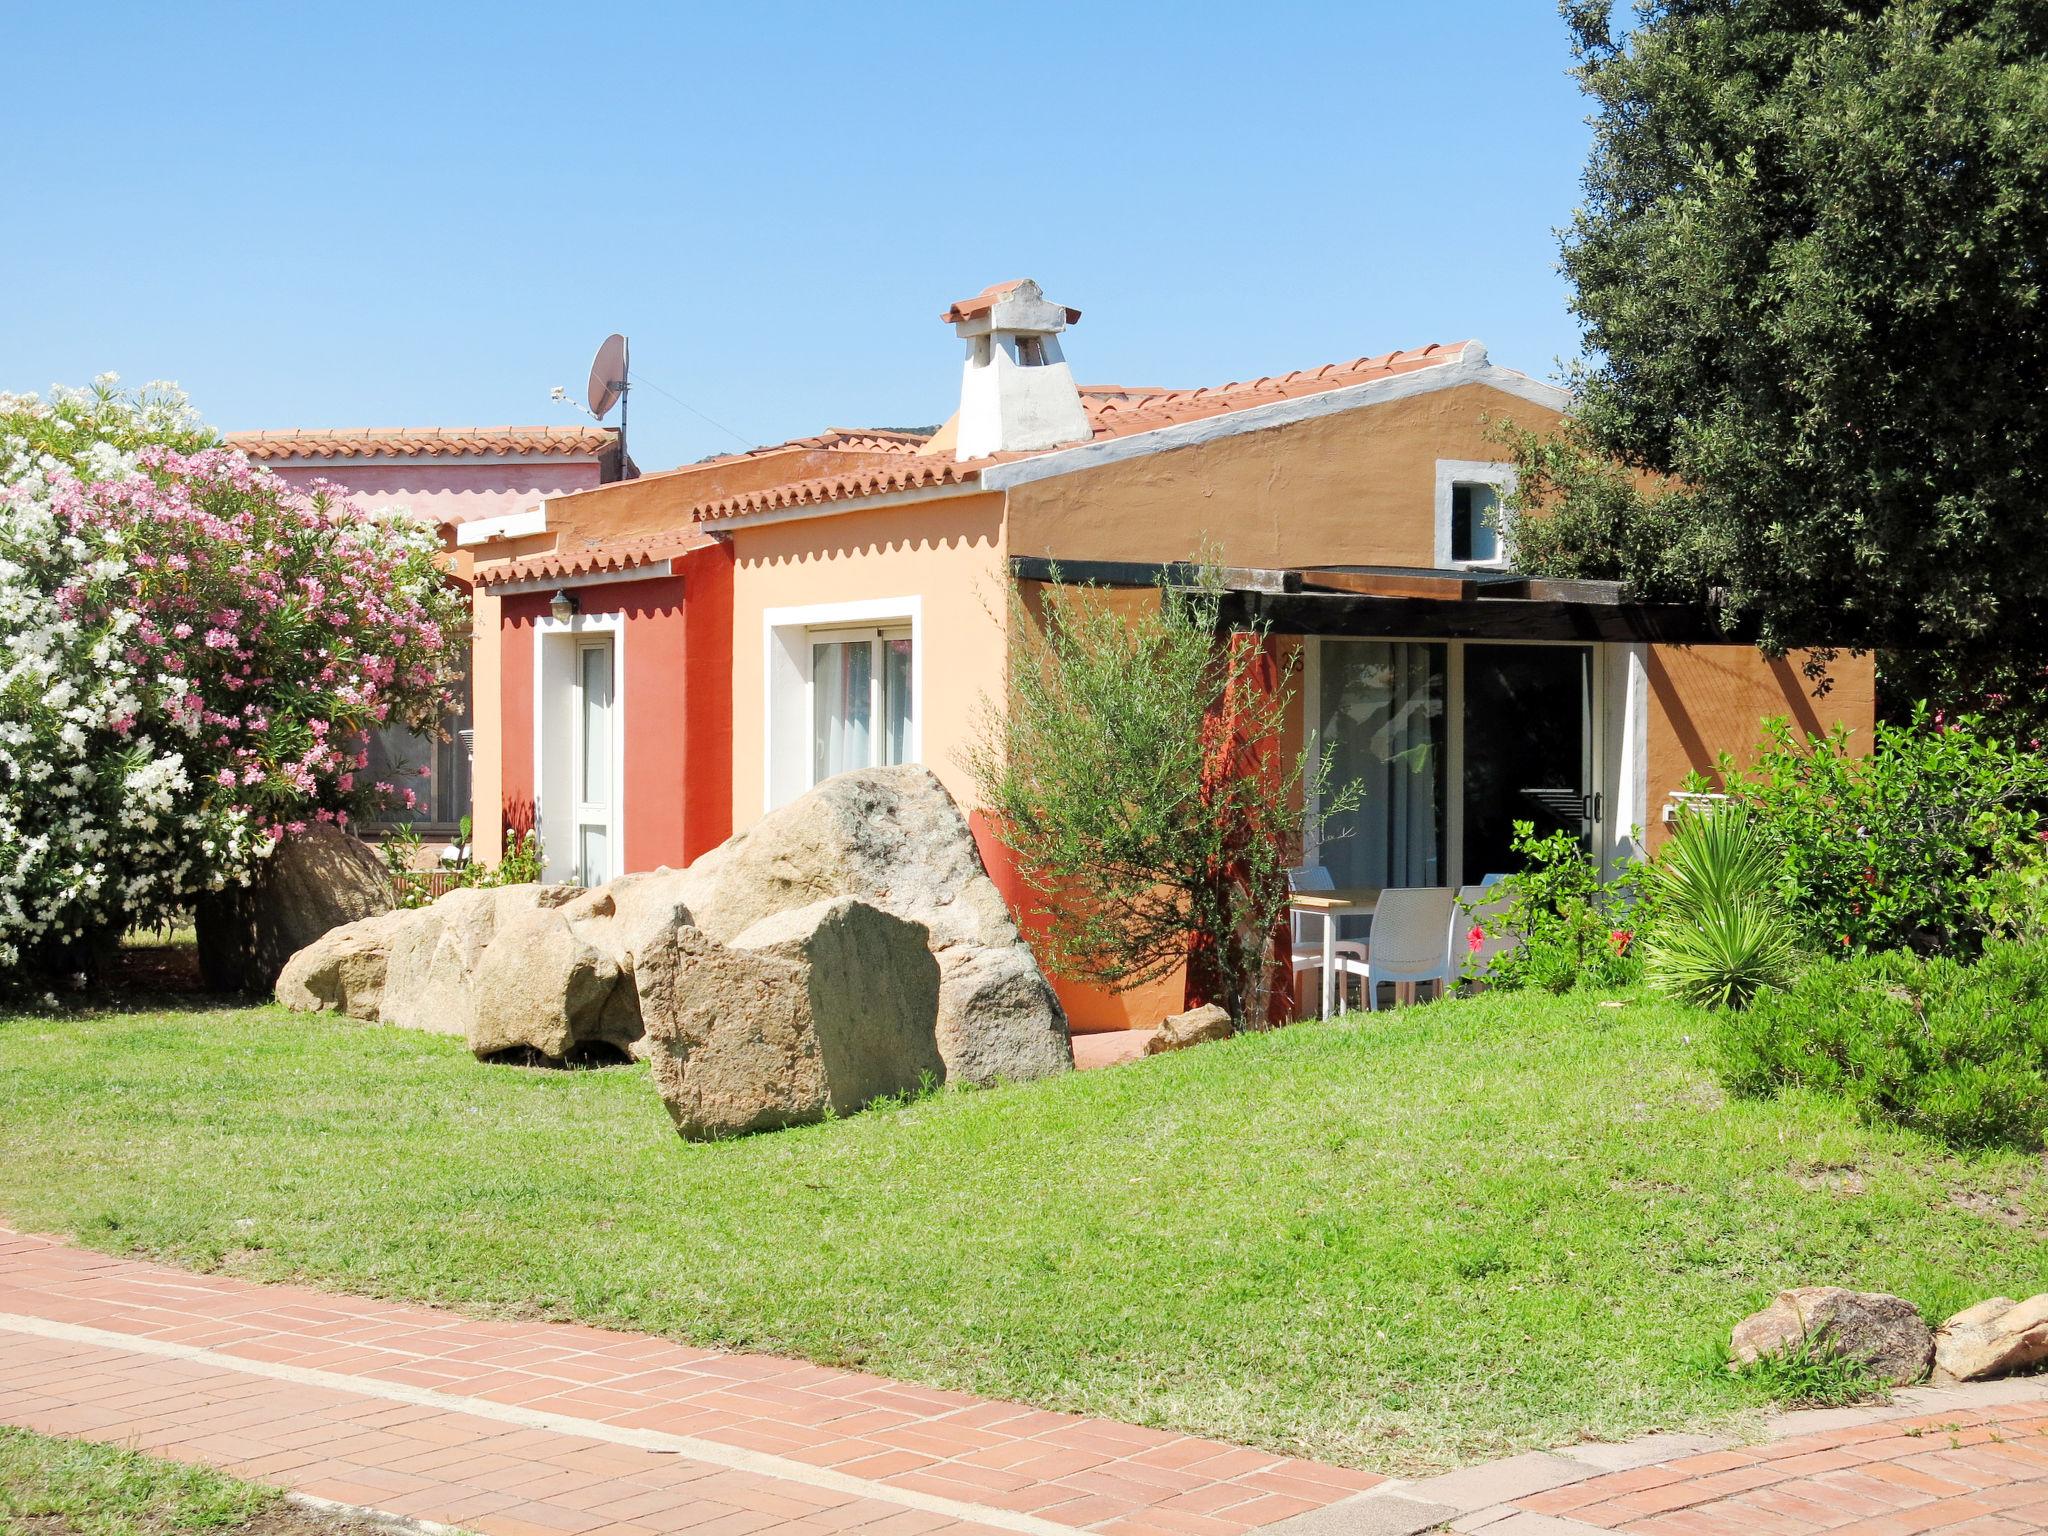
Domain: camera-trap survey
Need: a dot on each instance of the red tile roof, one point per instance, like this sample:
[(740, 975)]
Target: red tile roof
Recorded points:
[(1117, 411), (428, 442), (984, 301), (1113, 411), (907, 474), (608, 555)]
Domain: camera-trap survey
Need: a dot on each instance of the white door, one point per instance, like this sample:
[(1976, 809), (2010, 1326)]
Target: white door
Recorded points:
[(860, 698), (591, 761)]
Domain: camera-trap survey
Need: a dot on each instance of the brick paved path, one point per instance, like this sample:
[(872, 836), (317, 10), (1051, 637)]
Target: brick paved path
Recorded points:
[(550, 1429), (544, 1429)]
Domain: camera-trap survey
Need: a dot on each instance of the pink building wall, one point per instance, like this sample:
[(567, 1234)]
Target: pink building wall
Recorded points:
[(456, 491)]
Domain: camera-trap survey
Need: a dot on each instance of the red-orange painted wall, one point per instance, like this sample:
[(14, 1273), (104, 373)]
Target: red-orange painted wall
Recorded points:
[(677, 700)]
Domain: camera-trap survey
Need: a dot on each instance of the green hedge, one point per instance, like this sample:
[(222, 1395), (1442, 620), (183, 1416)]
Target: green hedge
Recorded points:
[(1957, 1051)]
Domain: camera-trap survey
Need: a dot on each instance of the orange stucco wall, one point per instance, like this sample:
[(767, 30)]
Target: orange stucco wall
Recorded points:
[(1357, 488), (676, 705), (947, 553), (1709, 699)]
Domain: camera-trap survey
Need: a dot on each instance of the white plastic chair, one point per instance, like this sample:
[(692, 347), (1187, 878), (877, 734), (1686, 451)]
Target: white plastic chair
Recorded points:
[(1411, 940), (1475, 908), (1351, 955)]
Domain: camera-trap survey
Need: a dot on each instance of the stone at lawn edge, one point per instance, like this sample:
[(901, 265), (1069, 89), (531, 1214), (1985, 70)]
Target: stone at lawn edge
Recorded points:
[(1999, 1337), (342, 971), (623, 919), (810, 1012), (894, 838), (1197, 1026), (1883, 1332), (540, 986), (312, 883)]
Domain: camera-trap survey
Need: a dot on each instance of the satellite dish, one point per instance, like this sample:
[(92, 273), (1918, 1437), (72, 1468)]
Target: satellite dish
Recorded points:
[(607, 375)]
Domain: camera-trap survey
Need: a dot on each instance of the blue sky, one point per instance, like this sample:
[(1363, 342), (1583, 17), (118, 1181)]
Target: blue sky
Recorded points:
[(371, 214)]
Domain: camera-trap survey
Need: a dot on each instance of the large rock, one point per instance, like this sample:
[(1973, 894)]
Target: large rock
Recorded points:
[(624, 919), (807, 1013), (540, 986), (342, 971), (1197, 1026), (1882, 1332), (312, 883), (437, 949), (1998, 1337), (894, 838)]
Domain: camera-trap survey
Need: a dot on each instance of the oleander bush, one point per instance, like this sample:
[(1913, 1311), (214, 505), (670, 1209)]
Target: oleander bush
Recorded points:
[(191, 656), (1956, 1050)]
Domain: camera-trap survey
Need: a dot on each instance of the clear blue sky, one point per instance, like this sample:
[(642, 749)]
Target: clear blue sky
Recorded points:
[(429, 213)]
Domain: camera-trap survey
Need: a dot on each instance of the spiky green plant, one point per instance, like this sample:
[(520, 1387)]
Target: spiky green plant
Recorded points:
[(1720, 935)]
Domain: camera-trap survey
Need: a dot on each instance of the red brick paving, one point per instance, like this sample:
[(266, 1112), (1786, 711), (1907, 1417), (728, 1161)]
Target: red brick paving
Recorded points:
[(850, 1448), (1970, 1472), (550, 1429)]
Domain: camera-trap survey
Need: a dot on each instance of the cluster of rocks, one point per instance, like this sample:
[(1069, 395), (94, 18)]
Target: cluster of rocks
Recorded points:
[(1886, 1334), (847, 947)]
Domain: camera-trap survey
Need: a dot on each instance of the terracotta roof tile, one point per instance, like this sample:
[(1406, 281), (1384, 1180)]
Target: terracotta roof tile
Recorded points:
[(1118, 411), (984, 301), (607, 555), (867, 480), (428, 442), (1113, 411)]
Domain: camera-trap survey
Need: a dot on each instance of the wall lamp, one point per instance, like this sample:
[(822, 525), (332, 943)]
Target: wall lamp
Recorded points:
[(563, 606)]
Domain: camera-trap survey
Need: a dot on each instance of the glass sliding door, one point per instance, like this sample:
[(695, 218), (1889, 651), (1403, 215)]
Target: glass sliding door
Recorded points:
[(860, 699), (1381, 704), (1528, 749)]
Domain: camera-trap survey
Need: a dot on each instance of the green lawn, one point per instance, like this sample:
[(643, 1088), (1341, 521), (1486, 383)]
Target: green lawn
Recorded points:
[(1399, 1241), (74, 1488)]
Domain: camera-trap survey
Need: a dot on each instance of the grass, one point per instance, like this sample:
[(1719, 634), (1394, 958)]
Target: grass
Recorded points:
[(75, 1488), (1400, 1241)]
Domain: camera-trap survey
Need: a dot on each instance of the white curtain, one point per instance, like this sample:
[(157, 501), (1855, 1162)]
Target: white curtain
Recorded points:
[(1382, 713), (842, 675)]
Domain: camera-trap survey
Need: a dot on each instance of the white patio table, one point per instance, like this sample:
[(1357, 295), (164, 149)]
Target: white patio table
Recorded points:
[(1345, 901)]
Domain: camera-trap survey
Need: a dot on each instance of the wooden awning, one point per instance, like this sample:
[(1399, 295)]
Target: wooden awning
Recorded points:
[(1385, 601)]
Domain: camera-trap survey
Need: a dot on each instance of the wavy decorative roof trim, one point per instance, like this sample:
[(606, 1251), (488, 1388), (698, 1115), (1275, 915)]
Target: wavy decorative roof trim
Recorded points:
[(424, 442)]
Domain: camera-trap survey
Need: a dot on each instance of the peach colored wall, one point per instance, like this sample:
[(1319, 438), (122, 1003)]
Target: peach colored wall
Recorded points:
[(1709, 699), (947, 552), (451, 492), (1357, 488)]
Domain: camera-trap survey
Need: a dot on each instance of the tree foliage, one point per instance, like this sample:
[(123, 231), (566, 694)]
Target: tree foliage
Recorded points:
[(1808, 268), (1136, 775)]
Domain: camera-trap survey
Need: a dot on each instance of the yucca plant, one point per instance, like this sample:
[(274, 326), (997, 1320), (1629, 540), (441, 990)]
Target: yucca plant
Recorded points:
[(1720, 935)]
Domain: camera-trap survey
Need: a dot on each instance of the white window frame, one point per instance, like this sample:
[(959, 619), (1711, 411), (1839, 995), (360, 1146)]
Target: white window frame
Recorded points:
[(1450, 474), (1613, 798), (788, 721), (556, 644)]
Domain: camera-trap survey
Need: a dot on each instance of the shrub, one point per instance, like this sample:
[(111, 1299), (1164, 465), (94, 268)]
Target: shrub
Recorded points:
[(1958, 1051), (1137, 776), (413, 887), (1907, 847), (1719, 936), (193, 656), (1574, 929)]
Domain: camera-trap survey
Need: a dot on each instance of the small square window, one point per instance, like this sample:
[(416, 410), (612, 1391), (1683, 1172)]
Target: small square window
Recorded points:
[(1475, 516)]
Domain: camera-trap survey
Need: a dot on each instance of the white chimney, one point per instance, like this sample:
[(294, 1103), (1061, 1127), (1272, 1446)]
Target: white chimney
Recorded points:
[(1016, 391)]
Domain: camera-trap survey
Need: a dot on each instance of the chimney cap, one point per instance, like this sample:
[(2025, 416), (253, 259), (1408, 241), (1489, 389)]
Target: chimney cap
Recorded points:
[(1021, 296)]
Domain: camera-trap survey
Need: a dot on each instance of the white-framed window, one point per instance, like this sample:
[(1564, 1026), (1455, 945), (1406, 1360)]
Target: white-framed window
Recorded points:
[(860, 697), (1468, 510), (844, 690), (442, 793)]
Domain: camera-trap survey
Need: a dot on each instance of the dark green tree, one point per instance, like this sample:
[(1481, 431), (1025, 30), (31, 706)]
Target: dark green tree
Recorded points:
[(1808, 269)]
